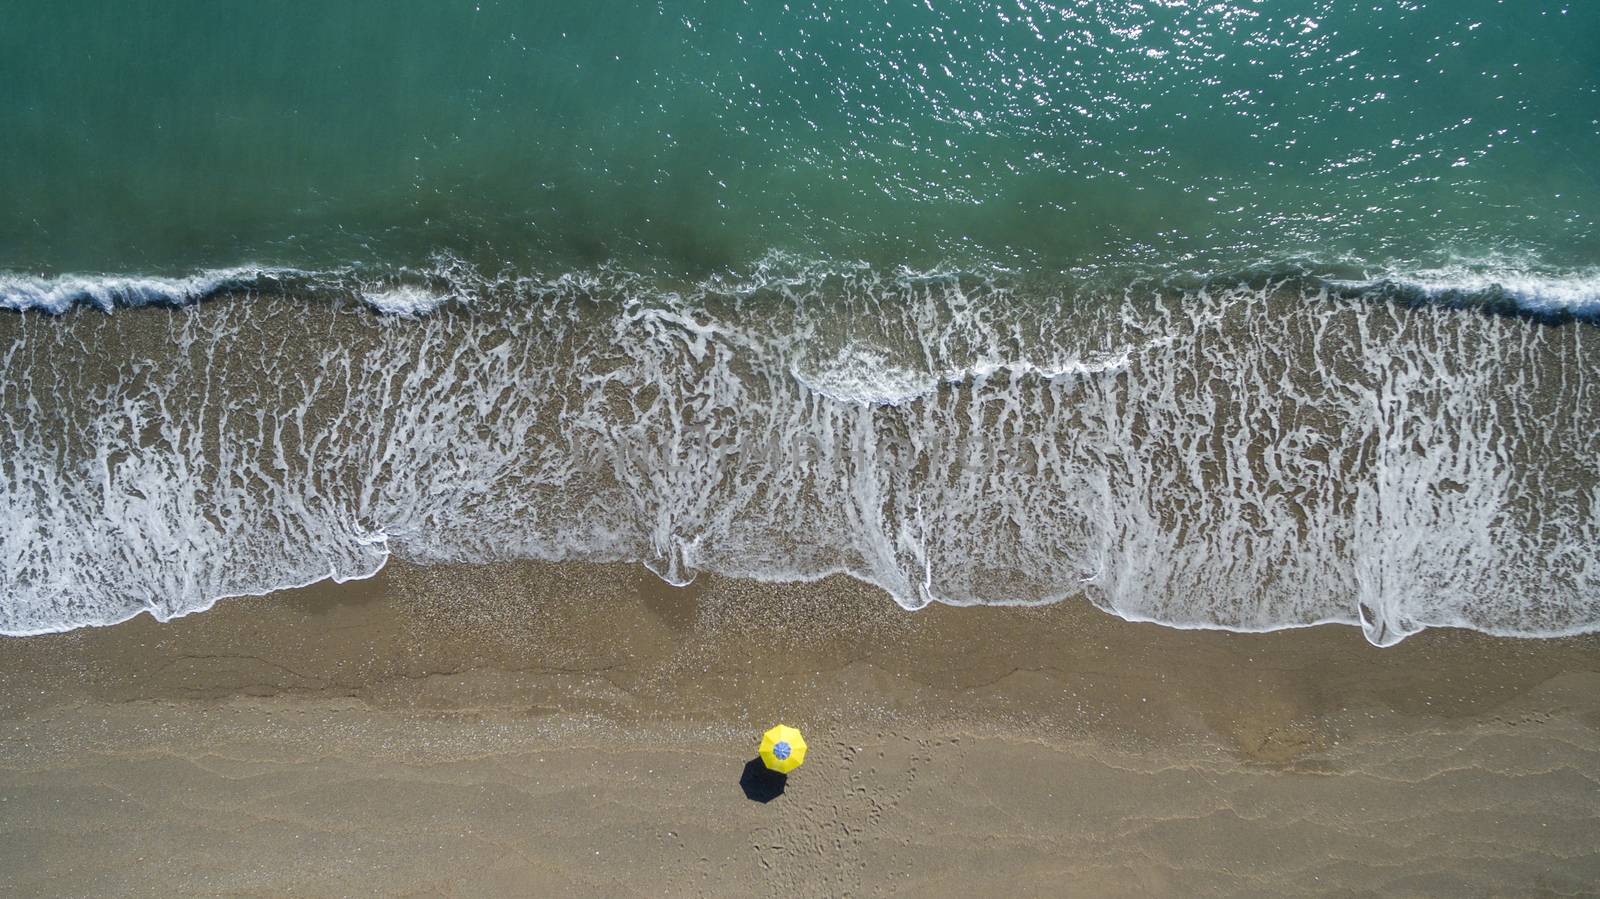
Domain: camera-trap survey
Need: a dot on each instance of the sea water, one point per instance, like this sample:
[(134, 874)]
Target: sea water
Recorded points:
[(1238, 315)]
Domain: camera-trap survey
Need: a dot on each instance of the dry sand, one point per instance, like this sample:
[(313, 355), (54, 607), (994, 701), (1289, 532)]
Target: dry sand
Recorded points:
[(581, 730)]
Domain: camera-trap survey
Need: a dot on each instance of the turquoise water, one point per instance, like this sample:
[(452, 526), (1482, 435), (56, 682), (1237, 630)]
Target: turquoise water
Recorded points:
[(698, 136)]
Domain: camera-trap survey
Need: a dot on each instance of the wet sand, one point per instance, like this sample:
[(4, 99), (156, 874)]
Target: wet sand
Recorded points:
[(581, 730)]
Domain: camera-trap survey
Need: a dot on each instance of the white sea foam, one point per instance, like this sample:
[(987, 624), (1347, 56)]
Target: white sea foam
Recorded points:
[(865, 376), (106, 292), (403, 300), (1243, 457), (1518, 285)]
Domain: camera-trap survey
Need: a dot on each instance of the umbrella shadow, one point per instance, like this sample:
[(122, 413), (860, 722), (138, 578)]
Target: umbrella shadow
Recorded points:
[(760, 784)]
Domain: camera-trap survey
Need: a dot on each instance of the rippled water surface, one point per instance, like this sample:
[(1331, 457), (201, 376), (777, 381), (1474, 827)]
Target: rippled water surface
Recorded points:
[(699, 135)]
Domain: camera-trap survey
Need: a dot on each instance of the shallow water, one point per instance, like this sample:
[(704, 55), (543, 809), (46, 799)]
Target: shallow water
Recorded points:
[(1250, 457)]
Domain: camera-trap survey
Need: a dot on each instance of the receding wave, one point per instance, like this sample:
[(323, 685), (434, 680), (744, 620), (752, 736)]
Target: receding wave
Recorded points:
[(1247, 453)]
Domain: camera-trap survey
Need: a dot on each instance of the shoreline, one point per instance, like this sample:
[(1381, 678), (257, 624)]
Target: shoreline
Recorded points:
[(388, 733), (333, 582)]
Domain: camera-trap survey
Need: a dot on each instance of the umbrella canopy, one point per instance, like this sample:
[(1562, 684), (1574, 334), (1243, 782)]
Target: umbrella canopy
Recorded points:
[(783, 749)]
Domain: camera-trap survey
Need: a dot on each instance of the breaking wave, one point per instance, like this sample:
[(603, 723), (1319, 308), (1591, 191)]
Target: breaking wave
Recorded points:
[(1515, 290), (20, 293), (408, 294)]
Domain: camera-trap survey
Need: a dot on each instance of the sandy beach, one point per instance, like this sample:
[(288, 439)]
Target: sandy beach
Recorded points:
[(581, 730)]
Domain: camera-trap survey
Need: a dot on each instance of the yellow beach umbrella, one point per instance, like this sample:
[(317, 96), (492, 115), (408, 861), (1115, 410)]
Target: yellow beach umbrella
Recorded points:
[(783, 749)]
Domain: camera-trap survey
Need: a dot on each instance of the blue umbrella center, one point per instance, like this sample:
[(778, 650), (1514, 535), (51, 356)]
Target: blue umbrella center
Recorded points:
[(781, 751)]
